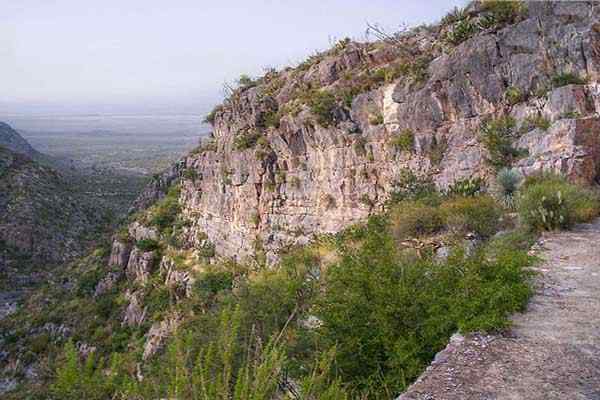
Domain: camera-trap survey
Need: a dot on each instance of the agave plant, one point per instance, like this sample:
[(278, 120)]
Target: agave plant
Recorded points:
[(508, 181)]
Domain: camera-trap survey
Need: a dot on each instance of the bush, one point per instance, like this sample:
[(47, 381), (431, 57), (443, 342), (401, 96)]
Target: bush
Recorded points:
[(567, 78), (479, 215), (550, 202), (513, 95), (508, 181), (246, 82), (404, 141), (147, 244), (461, 31), (402, 312), (497, 135), (246, 140), (413, 219), (503, 11), (535, 121), (466, 187), (163, 214), (207, 250), (322, 104), (211, 116), (409, 186), (376, 119), (212, 282)]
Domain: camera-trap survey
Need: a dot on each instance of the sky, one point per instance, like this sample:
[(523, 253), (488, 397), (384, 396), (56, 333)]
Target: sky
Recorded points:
[(169, 56)]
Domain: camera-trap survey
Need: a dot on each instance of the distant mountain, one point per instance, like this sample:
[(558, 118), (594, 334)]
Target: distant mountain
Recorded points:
[(10, 139)]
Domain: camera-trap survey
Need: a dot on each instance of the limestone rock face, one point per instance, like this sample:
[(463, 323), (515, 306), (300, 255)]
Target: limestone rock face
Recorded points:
[(158, 333), (140, 265), (135, 313), (119, 255), (306, 178)]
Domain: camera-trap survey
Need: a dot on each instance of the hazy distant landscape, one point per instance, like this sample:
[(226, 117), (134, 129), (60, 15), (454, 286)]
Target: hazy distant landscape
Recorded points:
[(140, 144)]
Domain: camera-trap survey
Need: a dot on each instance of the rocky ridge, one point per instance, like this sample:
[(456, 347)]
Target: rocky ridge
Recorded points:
[(313, 149), (282, 167)]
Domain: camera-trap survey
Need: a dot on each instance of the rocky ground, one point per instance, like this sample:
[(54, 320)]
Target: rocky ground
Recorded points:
[(552, 350)]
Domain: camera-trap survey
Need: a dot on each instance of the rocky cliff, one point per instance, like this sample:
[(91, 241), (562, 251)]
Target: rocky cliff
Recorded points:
[(315, 148)]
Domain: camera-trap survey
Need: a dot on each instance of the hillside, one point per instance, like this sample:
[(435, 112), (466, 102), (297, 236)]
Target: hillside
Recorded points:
[(345, 219), (11, 140), (315, 148)]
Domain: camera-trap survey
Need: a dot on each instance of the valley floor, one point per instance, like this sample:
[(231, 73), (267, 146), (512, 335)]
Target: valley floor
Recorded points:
[(552, 350)]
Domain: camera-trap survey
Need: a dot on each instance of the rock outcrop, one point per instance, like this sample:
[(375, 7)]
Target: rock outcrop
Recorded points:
[(277, 173)]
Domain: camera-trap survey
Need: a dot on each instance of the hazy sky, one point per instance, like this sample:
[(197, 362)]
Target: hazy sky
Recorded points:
[(160, 56)]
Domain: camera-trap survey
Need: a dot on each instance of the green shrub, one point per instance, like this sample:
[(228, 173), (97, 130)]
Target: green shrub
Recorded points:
[(147, 244), (163, 214), (437, 150), (535, 121), (404, 141), (211, 116), (246, 82), (123, 236), (508, 181), (403, 313), (271, 119), (550, 202), (246, 140), (479, 215), (413, 219), (376, 119), (466, 187), (410, 186), (461, 31), (498, 135), (505, 12), (513, 95), (567, 78), (322, 104), (207, 250), (212, 282), (190, 174)]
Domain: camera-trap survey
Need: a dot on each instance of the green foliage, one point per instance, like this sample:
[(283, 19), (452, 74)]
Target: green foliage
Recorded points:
[(513, 95), (271, 119), (414, 219), (466, 187), (87, 281), (567, 78), (550, 202), (505, 11), (246, 140), (535, 121), (479, 215), (207, 249), (410, 186), (123, 235), (322, 104), (498, 135), (163, 214), (404, 312), (376, 119), (76, 380), (246, 82), (404, 141), (461, 31), (211, 116), (212, 282), (147, 245), (190, 174), (508, 181)]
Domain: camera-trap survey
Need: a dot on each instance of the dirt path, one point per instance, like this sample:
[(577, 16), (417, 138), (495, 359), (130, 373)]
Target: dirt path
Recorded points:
[(552, 351)]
